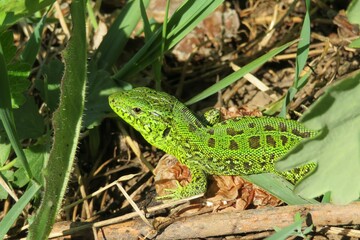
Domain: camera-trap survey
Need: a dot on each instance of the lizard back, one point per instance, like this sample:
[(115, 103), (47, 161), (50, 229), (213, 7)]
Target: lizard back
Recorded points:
[(247, 145)]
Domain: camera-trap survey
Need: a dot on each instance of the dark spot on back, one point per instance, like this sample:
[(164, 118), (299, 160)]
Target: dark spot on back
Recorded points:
[(270, 141), (306, 134), (192, 128), (231, 131), (239, 132), (300, 134), (247, 166), (282, 127), (251, 125), (233, 145), (254, 142), (230, 162), (211, 142), (269, 128), (272, 157), (294, 140), (296, 132), (284, 140), (210, 131)]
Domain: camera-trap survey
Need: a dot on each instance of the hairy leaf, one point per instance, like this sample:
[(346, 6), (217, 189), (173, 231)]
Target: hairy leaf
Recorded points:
[(336, 149)]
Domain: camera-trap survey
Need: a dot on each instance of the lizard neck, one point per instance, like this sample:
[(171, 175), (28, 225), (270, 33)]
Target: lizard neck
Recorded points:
[(185, 121), (185, 131)]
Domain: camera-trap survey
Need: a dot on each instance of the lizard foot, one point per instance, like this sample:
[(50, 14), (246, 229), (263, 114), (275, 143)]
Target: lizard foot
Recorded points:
[(182, 192)]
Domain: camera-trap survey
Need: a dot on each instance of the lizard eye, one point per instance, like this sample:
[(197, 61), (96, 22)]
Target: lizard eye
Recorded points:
[(136, 110)]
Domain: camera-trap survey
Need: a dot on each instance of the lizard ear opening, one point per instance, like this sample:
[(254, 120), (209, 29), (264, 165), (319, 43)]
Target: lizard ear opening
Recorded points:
[(166, 132)]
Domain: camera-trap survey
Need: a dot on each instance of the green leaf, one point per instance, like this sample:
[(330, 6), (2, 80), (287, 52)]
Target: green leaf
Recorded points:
[(36, 156), (336, 149), (9, 49), (6, 114), (278, 187), (285, 232), (49, 87), (17, 71), (292, 230), (33, 45), (11, 11), (67, 124), (352, 12), (28, 121), (355, 43), (19, 83), (5, 149)]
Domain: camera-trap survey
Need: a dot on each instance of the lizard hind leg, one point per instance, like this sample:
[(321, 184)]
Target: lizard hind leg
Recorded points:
[(197, 185)]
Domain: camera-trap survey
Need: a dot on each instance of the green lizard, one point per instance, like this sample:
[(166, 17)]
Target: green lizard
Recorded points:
[(240, 146)]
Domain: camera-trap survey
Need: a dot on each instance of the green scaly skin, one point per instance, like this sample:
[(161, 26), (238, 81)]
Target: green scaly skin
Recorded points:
[(240, 146)]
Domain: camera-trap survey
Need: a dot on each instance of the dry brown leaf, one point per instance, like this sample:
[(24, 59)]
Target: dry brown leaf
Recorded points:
[(233, 112), (168, 173)]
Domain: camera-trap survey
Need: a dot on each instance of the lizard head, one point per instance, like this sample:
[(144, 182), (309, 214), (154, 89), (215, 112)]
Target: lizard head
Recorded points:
[(146, 110)]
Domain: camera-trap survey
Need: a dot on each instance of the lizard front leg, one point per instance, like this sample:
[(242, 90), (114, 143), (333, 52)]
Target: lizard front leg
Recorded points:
[(196, 186)]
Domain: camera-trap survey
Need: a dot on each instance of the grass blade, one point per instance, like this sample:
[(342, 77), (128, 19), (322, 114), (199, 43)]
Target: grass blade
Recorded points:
[(119, 33), (16, 210), (301, 58)]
